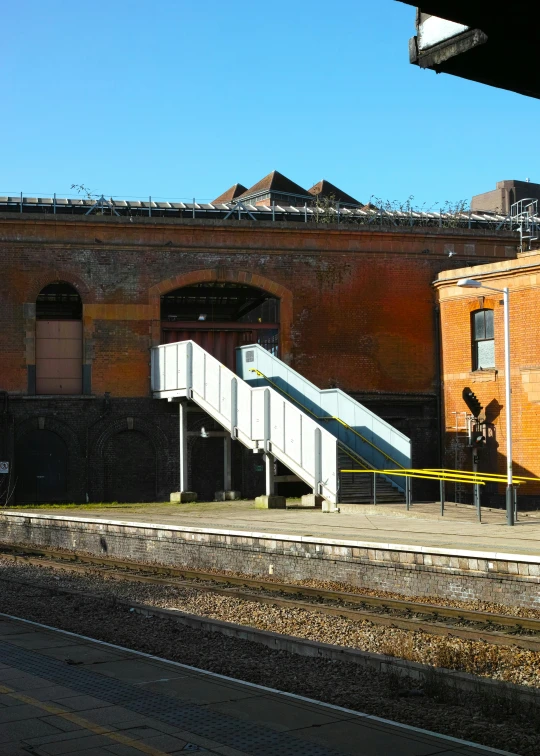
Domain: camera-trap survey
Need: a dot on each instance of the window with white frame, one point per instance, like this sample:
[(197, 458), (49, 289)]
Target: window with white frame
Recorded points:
[(483, 339)]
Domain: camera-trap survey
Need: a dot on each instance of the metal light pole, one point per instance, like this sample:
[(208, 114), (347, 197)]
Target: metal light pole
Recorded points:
[(471, 283)]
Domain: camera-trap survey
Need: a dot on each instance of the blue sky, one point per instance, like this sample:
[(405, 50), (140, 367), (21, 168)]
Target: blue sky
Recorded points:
[(177, 99)]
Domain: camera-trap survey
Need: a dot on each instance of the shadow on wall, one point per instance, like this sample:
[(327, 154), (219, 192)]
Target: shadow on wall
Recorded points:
[(129, 467), (458, 455), (41, 467)]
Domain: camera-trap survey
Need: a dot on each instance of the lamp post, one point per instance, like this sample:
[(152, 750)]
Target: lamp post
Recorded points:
[(471, 283)]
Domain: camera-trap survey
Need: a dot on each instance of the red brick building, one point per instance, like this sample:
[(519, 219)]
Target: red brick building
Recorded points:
[(472, 325), (83, 297)]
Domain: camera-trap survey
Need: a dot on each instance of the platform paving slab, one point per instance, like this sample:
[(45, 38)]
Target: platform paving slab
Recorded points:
[(138, 704)]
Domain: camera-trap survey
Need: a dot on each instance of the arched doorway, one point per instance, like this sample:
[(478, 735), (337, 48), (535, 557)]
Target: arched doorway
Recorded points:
[(58, 340), (220, 316), (130, 467), (41, 464)]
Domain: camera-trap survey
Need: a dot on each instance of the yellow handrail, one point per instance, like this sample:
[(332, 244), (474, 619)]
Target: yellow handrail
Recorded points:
[(427, 476), (494, 476), (329, 417)]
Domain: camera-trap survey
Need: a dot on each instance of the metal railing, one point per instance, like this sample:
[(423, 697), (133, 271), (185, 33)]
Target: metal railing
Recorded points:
[(341, 214), (444, 475), (361, 433), (328, 417), (259, 417)]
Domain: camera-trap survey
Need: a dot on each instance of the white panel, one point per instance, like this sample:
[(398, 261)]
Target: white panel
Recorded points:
[(182, 365), (329, 462), (212, 381), (225, 394), (198, 369), (244, 408), (257, 414), (161, 369), (308, 446), (292, 432), (433, 30), (171, 367), (276, 420)]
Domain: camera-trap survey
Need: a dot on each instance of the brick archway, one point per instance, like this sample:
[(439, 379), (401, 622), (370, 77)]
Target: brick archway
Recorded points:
[(75, 459), (233, 276), (52, 276), (107, 430), (37, 284)]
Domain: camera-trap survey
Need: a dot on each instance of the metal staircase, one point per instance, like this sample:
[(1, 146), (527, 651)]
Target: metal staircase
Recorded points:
[(365, 440), (273, 410), (355, 488), (258, 417)]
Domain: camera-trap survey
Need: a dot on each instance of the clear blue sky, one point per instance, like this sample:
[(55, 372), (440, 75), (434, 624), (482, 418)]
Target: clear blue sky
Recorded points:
[(179, 99)]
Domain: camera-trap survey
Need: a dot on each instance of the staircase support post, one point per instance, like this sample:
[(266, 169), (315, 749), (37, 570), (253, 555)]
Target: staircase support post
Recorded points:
[(227, 466), (234, 406), (269, 474), (317, 468), (183, 446), (189, 368), (183, 494), (374, 488)]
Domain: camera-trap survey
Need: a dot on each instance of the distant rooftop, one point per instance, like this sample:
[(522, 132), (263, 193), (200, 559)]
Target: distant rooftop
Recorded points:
[(232, 193), (325, 188)]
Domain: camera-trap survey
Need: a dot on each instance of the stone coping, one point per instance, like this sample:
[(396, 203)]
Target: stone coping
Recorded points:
[(466, 553)]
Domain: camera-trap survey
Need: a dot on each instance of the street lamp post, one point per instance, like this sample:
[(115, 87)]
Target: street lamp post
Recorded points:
[(471, 283)]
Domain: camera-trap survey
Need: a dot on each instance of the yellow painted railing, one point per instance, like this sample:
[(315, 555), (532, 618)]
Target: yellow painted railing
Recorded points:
[(459, 476), (494, 477), (422, 475)]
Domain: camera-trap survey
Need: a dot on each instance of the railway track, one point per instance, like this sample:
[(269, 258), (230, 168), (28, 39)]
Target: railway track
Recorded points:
[(430, 618)]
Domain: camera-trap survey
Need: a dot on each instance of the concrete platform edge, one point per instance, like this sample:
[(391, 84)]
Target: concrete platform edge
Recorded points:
[(506, 556), (372, 717), (305, 647)]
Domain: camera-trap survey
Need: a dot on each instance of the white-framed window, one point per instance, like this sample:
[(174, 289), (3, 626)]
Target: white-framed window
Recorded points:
[(483, 339)]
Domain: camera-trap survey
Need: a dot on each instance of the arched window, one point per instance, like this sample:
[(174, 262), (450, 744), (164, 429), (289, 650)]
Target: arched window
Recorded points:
[(220, 316), (58, 340), (483, 339)]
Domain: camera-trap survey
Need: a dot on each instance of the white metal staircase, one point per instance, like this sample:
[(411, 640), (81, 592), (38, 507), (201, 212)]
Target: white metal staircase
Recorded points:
[(365, 440), (258, 416)]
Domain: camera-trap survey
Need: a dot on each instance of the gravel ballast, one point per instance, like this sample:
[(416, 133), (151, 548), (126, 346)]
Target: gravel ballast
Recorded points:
[(500, 724)]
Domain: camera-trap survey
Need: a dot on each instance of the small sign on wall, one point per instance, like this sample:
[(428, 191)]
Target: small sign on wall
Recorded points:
[(4, 467)]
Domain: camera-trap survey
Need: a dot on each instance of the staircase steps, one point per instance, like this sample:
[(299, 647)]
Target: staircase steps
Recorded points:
[(357, 488)]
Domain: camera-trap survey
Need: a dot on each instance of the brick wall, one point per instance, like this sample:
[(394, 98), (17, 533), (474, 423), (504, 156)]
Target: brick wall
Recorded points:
[(357, 307), (511, 581), (523, 279)]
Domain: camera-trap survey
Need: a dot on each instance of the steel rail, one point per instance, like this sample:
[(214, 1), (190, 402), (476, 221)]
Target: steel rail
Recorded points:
[(496, 638), (26, 554)]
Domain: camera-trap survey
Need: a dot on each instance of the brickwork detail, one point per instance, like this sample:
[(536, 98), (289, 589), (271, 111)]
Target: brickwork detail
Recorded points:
[(504, 581), (356, 308), (522, 278)]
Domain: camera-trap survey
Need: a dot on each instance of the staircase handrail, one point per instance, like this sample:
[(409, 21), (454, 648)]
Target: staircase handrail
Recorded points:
[(327, 417), (259, 417)]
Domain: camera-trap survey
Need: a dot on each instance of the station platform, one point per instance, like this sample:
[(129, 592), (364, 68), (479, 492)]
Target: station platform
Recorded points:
[(384, 547), (62, 693), (422, 526)]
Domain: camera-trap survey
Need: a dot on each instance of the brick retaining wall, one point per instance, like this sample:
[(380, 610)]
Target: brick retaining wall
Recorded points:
[(509, 579)]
